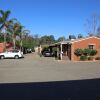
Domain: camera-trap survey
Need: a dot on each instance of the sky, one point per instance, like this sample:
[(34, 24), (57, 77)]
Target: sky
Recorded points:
[(52, 17)]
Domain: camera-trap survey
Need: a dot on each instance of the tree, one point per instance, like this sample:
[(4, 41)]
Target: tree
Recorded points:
[(37, 40), (91, 24), (98, 32), (26, 38), (23, 36), (3, 22), (15, 29), (80, 36), (4, 18), (47, 39), (61, 39), (1, 37), (72, 37), (52, 38)]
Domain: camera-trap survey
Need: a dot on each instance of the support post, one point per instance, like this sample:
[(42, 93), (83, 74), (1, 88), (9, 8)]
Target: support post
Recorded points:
[(61, 51)]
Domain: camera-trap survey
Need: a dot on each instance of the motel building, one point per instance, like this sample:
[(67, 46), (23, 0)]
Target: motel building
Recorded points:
[(66, 49)]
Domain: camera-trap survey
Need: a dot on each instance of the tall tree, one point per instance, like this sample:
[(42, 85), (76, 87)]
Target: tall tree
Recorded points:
[(91, 24), (4, 15), (98, 32), (61, 39), (23, 37), (15, 29), (47, 39), (80, 36), (72, 37), (37, 40)]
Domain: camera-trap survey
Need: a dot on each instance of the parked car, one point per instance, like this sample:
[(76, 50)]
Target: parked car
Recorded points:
[(29, 50), (12, 54), (48, 54)]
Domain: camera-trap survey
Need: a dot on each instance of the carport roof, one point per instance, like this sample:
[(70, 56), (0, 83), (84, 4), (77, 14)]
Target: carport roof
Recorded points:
[(62, 42)]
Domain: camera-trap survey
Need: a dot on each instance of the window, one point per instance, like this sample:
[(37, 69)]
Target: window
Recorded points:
[(91, 46)]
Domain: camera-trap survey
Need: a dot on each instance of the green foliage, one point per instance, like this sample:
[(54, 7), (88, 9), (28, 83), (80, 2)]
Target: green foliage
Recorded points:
[(61, 39), (78, 52), (47, 39), (4, 19), (93, 52), (15, 29), (90, 58), (8, 37), (27, 44), (97, 58), (54, 50), (83, 58), (86, 51), (89, 52), (1, 38)]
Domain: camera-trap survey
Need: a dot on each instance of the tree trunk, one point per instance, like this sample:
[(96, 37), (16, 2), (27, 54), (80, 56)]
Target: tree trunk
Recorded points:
[(4, 38), (4, 42), (14, 44), (21, 48), (14, 41)]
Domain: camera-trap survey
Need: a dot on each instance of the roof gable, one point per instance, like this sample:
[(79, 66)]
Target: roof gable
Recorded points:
[(73, 41), (78, 40)]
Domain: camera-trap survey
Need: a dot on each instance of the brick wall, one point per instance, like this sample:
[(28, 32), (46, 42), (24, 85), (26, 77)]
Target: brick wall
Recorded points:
[(1, 47), (84, 44), (9, 46)]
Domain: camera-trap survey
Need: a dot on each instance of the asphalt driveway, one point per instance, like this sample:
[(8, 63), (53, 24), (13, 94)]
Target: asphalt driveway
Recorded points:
[(33, 68)]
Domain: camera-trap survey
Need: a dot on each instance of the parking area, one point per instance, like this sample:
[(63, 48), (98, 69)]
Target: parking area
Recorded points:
[(34, 68)]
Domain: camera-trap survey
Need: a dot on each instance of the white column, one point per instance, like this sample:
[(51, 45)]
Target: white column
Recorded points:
[(57, 52), (61, 51)]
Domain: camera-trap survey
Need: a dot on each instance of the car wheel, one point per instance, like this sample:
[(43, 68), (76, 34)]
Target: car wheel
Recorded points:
[(16, 57), (2, 57)]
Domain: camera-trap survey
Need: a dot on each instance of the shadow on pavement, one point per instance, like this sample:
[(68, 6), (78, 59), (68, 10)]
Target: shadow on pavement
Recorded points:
[(62, 90)]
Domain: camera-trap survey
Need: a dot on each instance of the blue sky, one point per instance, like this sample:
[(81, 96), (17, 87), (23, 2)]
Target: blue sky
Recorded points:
[(56, 17)]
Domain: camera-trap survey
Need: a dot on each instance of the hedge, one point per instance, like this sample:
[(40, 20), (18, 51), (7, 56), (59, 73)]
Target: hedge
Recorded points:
[(97, 58), (83, 58)]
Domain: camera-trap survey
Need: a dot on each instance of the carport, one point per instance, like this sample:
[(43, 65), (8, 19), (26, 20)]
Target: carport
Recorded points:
[(63, 50)]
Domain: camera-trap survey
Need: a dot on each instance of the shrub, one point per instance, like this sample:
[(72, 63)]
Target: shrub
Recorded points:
[(97, 58), (78, 52), (90, 58), (86, 51), (93, 52), (89, 52), (83, 58)]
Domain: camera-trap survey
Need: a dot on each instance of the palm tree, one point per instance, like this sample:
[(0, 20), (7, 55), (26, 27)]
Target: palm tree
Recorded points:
[(3, 23), (23, 37), (21, 32), (14, 29)]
